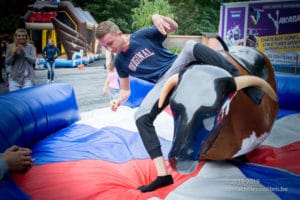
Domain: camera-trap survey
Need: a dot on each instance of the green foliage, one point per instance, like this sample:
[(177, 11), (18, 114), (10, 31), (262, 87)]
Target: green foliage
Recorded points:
[(193, 16), (114, 10), (197, 17), (142, 15), (9, 24), (175, 50), (11, 12)]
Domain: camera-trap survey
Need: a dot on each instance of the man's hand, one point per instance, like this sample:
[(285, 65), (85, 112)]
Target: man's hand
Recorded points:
[(114, 104), (18, 159), (164, 24)]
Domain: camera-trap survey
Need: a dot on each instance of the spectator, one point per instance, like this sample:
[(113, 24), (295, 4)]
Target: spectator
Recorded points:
[(2, 59), (15, 159), (50, 53), (111, 84), (20, 60)]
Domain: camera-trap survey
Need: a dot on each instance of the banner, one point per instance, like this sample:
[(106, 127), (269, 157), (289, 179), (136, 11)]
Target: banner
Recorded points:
[(271, 26), (276, 27)]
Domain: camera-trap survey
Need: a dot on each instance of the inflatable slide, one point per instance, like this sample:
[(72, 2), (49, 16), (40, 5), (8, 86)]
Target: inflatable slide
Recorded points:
[(71, 28)]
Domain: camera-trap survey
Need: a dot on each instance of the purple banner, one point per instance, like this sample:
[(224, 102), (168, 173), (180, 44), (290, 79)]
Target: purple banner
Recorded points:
[(273, 18), (271, 26), (234, 31)]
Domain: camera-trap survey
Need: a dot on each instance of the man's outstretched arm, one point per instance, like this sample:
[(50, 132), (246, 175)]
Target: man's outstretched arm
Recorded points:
[(164, 24)]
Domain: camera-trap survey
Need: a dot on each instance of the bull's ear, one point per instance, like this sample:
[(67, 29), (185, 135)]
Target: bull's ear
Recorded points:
[(168, 86), (224, 86)]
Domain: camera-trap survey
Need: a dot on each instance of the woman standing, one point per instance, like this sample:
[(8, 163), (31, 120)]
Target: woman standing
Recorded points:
[(50, 53), (20, 60)]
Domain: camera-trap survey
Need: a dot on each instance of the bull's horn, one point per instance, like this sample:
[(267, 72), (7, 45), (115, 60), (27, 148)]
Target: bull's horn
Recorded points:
[(248, 81), (168, 86)]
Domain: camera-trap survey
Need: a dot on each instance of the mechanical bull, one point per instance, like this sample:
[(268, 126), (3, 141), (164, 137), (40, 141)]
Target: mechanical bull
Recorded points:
[(217, 116)]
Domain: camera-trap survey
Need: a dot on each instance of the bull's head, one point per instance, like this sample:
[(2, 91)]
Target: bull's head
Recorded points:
[(200, 99)]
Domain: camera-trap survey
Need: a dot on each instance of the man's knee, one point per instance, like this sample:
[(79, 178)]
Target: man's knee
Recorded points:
[(189, 45), (142, 122), (206, 55)]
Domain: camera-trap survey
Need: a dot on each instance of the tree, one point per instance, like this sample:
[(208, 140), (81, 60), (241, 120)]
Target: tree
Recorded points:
[(195, 17), (142, 15), (115, 10), (11, 12)]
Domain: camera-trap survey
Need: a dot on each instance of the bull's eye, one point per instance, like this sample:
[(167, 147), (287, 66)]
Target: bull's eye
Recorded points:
[(208, 123)]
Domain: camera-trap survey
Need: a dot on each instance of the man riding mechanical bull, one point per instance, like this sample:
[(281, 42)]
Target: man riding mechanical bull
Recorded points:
[(218, 113)]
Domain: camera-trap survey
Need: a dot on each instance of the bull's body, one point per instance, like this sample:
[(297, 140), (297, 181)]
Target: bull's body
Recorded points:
[(214, 121)]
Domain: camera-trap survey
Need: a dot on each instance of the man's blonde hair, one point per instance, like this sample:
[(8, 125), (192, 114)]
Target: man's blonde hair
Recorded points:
[(106, 27)]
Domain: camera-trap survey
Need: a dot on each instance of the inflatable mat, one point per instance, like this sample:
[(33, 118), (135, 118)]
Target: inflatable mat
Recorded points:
[(99, 154)]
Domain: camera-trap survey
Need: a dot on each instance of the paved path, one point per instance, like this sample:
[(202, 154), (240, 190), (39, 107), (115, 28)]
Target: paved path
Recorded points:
[(87, 84)]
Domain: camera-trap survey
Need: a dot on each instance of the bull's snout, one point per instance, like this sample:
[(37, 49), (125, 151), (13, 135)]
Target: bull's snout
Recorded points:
[(183, 167), (187, 142)]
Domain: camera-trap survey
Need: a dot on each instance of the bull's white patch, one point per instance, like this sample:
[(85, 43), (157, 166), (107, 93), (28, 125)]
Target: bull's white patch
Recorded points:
[(251, 143), (193, 99)]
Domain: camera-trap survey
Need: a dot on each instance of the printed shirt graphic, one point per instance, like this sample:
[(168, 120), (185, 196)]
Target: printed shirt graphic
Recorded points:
[(146, 57)]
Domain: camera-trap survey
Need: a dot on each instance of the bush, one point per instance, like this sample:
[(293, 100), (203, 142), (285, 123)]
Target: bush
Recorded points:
[(175, 50), (142, 14)]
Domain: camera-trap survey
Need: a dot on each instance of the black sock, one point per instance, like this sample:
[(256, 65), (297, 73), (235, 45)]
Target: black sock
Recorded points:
[(160, 181)]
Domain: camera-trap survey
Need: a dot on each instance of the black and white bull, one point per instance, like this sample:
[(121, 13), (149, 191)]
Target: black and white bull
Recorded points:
[(217, 116)]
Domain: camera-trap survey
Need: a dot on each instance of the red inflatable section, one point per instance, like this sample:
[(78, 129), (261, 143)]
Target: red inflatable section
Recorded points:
[(286, 157), (69, 180)]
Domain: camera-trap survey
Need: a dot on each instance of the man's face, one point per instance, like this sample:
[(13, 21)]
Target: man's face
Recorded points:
[(113, 42)]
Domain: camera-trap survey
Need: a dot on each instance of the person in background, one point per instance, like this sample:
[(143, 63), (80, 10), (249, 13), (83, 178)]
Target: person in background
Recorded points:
[(20, 61), (15, 159), (107, 58), (2, 59), (111, 84), (50, 53), (143, 55)]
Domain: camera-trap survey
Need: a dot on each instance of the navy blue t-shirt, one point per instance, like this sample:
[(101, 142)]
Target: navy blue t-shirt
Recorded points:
[(146, 57)]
